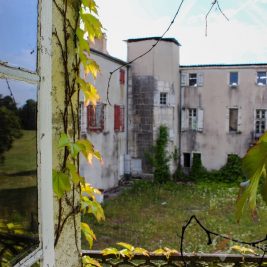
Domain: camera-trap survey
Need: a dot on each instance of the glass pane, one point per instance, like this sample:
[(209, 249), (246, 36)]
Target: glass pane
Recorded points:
[(18, 177), (234, 78), (18, 31)]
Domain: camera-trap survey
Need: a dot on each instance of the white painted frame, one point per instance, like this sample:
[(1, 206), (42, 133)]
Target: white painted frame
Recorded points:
[(43, 79)]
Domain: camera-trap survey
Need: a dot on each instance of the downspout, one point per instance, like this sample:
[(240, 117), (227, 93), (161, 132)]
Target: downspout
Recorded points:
[(180, 118), (127, 110)]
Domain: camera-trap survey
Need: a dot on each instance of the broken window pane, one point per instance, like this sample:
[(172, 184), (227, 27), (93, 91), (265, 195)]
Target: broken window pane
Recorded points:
[(18, 31), (18, 171)]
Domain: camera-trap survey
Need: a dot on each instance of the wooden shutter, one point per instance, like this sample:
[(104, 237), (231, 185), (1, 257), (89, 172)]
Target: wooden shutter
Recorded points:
[(116, 118), (184, 79), (239, 120), (90, 117), (200, 119), (122, 76), (184, 119)]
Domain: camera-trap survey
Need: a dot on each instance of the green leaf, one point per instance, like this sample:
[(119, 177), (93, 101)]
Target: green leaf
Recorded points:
[(91, 5), (75, 177), (61, 183), (93, 207), (88, 234), (63, 141)]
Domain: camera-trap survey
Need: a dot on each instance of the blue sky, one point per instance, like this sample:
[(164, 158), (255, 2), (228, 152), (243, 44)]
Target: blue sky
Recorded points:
[(18, 31), (242, 39)]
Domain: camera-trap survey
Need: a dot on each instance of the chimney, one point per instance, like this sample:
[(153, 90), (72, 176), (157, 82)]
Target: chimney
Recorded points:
[(100, 44)]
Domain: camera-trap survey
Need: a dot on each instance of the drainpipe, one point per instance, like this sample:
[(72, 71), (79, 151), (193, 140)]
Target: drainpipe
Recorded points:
[(127, 110), (180, 117)]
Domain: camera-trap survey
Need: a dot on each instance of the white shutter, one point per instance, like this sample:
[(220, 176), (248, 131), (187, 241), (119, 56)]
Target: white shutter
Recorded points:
[(239, 120), (227, 119), (156, 97), (200, 79), (184, 79), (200, 119), (171, 99), (121, 165), (184, 119)]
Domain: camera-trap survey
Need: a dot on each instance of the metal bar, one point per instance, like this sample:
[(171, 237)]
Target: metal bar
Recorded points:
[(192, 257)]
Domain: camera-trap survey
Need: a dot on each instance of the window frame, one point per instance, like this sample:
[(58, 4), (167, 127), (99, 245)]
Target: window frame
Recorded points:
[(163, 96), (121, 118), (192, 119), (261, 120), (233, 84), (192, 79), (42, 78), (100, 125), (258, 78), (229, 121)]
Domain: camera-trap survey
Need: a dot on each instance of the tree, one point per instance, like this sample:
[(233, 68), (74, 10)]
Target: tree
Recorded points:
[(10, 124), (28, 115)]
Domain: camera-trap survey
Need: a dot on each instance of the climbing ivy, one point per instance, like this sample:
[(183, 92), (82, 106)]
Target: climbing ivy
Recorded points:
[(67, 181)]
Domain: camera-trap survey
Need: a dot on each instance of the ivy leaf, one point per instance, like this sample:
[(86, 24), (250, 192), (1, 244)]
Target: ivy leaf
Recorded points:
[(126, 253), (88, 234), (90, 190), (63, 141), (91, 5), (88, 262), (75, 149), (76, 178), (92, 25), (88, 150), (89, 91), (93, 207), (110, 251), (141, 251), (61, 183), (125, 245)]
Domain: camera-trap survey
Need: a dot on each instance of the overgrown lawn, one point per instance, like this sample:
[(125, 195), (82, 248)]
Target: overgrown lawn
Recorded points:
[(152, 216)]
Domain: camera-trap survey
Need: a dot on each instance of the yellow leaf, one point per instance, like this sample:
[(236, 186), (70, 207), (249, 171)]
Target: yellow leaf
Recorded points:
[(88, 262), (243, 250), (125, 245), (110, 251), (141, 251)]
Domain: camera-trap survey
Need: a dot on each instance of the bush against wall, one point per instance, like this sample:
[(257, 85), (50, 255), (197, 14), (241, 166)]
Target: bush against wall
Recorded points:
[(159, 157)]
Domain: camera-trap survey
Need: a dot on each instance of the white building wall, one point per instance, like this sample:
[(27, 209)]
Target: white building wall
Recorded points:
[(215, 97), (111, 144)]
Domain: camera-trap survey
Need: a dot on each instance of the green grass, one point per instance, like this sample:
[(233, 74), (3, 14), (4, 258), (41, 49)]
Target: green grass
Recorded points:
[(151, 216), (22, 156)]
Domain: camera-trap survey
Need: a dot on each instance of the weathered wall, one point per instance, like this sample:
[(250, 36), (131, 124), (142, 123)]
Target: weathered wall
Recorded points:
[(216, 97), (155, 73), (111, 144), (66, 250)]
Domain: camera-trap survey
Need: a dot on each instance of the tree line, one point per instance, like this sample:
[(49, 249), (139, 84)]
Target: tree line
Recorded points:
[(13, 120)]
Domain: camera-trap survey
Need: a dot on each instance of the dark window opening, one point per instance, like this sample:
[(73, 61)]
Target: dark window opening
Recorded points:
[(192, 79), (233, 119), (187, 160)]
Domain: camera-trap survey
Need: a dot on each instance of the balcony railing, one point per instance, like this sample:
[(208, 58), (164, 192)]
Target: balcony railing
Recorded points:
[(177, 260)]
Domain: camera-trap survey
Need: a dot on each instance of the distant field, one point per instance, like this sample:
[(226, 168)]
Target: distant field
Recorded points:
[(19, 168), (151, 217)]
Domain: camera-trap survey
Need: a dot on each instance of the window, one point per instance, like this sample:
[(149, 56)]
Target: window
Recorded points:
[(25, 177), (260, 121), (118, 118), (192, 79), (261, 78), (233, 119), (187, 160), (122, 76), (192, 118), (163, 99), (233, 79), (95, 117)]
